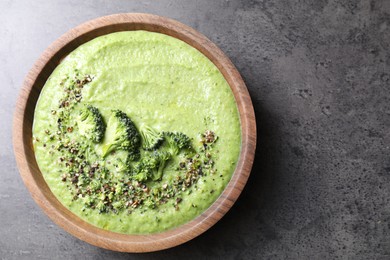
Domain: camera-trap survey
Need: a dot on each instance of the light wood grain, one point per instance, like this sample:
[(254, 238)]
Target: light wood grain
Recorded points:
[(32, 177)]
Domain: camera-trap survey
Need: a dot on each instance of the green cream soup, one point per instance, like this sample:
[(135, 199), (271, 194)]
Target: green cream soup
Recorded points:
[(155, 80)]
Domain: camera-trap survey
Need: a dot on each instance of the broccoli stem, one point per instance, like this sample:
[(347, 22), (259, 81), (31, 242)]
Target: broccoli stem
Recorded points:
[(160, 170), (108, 148)]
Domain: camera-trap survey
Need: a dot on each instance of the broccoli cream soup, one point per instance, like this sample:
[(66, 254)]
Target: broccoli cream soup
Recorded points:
[(136, 132)]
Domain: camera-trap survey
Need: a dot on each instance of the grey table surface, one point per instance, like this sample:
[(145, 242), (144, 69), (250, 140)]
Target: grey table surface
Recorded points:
[(319, 76)]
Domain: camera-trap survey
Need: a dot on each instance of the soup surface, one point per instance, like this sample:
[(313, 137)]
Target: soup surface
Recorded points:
[(156, 81)]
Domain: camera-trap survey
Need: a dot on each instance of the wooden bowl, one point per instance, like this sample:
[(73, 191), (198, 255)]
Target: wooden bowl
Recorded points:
[(33, 179)]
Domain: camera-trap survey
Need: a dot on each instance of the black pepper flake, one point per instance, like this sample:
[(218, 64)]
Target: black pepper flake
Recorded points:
[(182, 165)]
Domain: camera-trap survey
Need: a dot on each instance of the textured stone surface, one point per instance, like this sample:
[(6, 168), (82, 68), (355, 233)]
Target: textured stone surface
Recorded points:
[(319, 75)]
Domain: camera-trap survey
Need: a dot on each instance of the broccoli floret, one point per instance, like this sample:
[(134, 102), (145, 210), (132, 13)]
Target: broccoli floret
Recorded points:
[(118, 205), (91, 124), (151, 166), (150, 203), (126, 166), (123, 135), (122, 167), (151, 139), (176, 142), (133, 155), (143, 170), (161, 157), (101, 207)]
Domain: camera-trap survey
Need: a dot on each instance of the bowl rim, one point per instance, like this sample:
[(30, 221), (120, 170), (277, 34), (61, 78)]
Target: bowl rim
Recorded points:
[(32, 177)]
